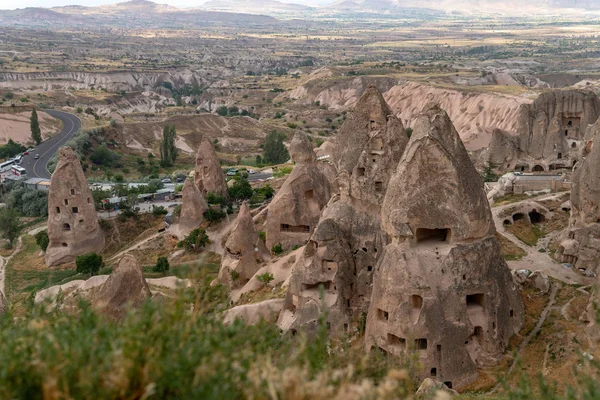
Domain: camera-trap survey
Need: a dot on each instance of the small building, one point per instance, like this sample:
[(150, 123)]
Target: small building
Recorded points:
[(164, 195), (41, 184)]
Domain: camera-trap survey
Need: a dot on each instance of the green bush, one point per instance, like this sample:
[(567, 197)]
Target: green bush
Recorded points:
[(265, 278), (277, 249), (196, 240), (159, 210), (241, 189), (89, 263), (162, 265), (11, 149), (275, 151), (263, 235), (212, 215), (102, 155), (42, 239)]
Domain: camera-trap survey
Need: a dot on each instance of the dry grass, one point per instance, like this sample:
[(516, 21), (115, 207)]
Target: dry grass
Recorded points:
[(511, 251), (120, 234), (526, 232)]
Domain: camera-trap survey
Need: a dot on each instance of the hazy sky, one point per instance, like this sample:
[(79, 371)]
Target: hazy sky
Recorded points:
[(12, 4)]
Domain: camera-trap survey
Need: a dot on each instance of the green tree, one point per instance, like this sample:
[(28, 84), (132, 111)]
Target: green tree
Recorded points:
[(265, 278), (162, 265), (488, 174), (275, 151), (42, 239), (36, 133), (277, 249), (241, 189), (89, 263), (168, 151), (11, 149), (10, 226), (195, 240)]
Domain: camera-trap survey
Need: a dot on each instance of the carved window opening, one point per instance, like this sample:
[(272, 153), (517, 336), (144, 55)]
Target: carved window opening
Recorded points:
[(535, 217), (66, 202), (449, 384), (378, 187), (66, 227), (81, 221), (433, 235), (58, 210), (64, 245), (397, 341), (559, 156), (475, 301), (383, 315), (75, 210), (433, 372), (89, 200), (360, 171), (295, 229), (421, 344), (72, 192)]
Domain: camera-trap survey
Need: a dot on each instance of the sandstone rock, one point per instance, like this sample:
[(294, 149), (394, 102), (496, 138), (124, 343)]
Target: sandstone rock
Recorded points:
[(441, 287), (342, 252), (253, 313), (73, 227), (581, 247), (124, 288), (432, 389), (208, 175), (244, 251), (193, 207), (295, 210), (503, 149), (539, 280)]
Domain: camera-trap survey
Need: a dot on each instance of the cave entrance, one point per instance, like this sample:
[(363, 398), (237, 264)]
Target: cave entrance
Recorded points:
[(536, 218), (424, 235)]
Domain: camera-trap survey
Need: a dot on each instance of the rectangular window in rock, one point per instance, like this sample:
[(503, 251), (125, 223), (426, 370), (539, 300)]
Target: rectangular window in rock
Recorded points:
[(421, 344), (397, 341), (75, 210), (382, 315)]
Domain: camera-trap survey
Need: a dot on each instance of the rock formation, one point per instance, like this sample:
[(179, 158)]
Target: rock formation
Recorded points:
[(582, 246), (342, 252), (295, 210), (244, 251), (208, 175), (193, 207), (549, 132), (124, 288), (441, 287), (73, 227)]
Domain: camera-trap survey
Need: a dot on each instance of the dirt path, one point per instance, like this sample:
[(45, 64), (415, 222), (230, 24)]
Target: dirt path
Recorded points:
[(135, 246), (534, 260), (3, 262)]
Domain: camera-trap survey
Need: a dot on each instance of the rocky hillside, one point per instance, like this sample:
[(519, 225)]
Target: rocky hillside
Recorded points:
[(475, 115)]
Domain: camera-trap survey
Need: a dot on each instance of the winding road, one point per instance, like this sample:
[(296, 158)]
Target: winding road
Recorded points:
[(38, 168)]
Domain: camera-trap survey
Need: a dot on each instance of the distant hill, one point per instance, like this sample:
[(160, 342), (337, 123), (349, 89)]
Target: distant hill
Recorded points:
[(255, 6), (132, 14)]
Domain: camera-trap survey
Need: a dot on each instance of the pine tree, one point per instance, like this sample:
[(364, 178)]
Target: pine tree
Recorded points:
[(36, 133), (275, 151), (168, 150)]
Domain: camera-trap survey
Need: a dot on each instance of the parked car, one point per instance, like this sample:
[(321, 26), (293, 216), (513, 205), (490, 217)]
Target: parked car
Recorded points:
[(26, 153), (251, 171), (179, 180), (37, 156), (166, 180)]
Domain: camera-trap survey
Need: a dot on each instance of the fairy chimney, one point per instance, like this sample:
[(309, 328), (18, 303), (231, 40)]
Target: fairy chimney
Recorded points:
[(294, 212), (193, 207), (244, 251), (368, 149), (441, 288), (73, 227), (208, 175)]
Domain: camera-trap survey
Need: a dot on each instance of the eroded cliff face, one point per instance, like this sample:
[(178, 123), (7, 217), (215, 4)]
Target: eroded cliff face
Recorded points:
[(549, 132), (581, 247), (73, 226), (111, 81), (441, 287)]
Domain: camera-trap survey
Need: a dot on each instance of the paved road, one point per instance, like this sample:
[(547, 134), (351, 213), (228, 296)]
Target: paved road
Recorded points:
[(259, 176), (37, 168)]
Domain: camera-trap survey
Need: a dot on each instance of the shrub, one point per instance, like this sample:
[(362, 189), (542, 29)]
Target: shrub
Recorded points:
[(42, 239), (212, 215), (265, 278), (89, 263), (213, 198), (10, 226), (162, 265), (195, 240), (241, 189), (102, 155), (277, 249), (275, 151), (263, 235), (159, 210)]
